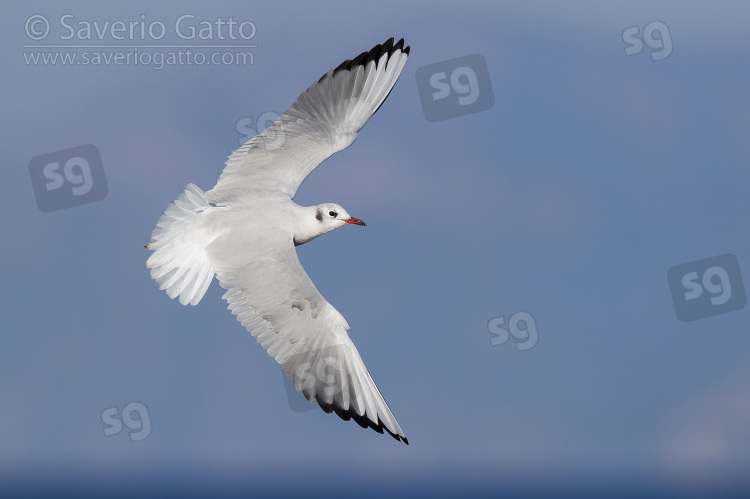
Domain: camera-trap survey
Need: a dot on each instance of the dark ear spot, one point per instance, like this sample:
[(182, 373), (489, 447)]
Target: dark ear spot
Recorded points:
[(319, 215)]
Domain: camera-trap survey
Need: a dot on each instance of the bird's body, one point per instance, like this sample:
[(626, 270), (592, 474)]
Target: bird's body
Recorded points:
[(244, 232), (255, 214)]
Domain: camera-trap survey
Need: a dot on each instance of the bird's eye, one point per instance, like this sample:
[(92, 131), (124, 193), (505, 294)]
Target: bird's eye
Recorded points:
[(333, 214)]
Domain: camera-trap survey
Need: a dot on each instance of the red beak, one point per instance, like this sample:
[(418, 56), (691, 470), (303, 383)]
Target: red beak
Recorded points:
[(355, 221)]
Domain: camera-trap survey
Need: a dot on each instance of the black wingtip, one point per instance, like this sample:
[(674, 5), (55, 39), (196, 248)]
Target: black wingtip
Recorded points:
[(399, 45), (363, 421), (386, 48), (374, 54)]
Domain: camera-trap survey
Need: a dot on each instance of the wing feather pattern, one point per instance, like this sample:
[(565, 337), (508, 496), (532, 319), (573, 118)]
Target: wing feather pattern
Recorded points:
[(274, 298), (324, 120)]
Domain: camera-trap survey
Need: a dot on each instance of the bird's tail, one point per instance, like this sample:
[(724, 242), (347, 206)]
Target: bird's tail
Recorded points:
[(179, 263)]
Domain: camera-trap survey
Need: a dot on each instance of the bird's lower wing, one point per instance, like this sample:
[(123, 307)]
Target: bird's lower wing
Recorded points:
[(274, 298), (324, 120)]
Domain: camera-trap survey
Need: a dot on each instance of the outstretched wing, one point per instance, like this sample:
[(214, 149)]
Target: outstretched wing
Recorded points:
[(324, 120), (275, 299)]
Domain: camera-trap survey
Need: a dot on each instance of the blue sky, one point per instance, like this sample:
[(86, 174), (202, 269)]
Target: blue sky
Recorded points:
[(592, 175)]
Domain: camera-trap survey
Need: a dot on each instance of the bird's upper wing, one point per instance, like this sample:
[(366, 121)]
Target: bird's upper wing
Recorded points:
[(324, 120), (275, 299)]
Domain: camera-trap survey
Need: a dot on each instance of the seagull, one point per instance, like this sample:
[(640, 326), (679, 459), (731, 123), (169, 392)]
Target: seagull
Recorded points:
[(245, 229)]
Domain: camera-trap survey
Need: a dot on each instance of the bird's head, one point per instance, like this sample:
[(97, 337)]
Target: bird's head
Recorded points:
[(333, 216)]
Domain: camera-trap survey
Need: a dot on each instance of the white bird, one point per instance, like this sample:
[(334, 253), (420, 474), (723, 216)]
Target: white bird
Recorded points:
[(245, 230)]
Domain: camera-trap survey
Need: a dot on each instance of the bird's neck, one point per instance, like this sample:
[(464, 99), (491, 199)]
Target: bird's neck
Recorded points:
[(307, 227)]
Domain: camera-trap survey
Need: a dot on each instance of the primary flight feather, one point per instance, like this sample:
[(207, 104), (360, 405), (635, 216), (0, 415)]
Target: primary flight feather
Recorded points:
[(244, 232)]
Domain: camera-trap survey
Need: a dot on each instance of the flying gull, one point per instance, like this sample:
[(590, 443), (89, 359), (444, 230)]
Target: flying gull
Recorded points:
[(244, 232)]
